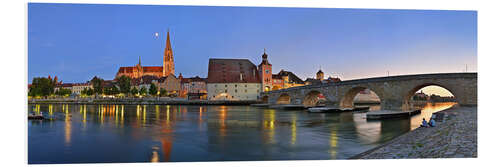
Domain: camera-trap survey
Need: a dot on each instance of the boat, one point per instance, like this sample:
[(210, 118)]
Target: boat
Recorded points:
[(361, 108), (260, 105), (35, 117), (322, 109)]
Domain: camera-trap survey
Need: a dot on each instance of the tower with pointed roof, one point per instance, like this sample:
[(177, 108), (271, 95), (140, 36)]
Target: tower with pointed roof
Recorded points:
[(168, 58), (320, 75), (266, 73)]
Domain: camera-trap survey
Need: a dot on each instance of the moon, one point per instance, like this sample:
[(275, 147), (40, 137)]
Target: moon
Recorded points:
[(156, 34)]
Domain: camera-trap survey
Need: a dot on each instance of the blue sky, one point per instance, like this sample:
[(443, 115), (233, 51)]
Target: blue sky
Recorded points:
[(77, 41)]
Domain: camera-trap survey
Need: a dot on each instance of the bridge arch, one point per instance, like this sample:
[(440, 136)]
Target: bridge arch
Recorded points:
[(347, 100), (312, 98), (407, 98), (284, 98)]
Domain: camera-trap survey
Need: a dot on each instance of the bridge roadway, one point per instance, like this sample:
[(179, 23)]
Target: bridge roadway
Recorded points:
[(394, 92)]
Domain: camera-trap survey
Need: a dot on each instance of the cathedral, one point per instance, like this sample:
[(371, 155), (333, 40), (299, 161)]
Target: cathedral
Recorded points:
[(138, 70)]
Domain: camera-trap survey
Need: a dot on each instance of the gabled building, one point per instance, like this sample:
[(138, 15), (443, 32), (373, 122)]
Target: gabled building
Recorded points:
[(233, 79), (171, 84), (194, 88), (286, 79), (77, 88)]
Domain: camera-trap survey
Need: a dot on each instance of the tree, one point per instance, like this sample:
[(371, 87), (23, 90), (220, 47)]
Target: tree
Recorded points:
[(90, 92), (163, 92), (63, 92), (153, 90), (97, 83), (107, 90), (114, 90), (124, 84), (134, 91), (41, 86), (143, 91)]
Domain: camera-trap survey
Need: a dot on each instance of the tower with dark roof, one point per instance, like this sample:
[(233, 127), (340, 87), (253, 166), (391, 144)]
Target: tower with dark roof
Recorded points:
[(266, 73)]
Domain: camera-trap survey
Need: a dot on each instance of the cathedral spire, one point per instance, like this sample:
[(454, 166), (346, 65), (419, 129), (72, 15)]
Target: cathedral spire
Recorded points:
[(168, 46), (139, 60), (168, 58)]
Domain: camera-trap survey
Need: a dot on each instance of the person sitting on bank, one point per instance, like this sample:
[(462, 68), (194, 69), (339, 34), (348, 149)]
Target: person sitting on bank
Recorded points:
[(424, 123), (432, 123)]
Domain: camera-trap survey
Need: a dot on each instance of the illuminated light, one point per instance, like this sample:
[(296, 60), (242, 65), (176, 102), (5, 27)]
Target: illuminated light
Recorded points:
[(67, 130), (138, 110), (294, 129), (168, 114), (333, 143), (122, 116)]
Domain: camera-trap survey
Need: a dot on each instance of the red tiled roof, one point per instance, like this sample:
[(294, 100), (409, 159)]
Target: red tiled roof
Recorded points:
[(126, 69), (153, 69), (232, 71)]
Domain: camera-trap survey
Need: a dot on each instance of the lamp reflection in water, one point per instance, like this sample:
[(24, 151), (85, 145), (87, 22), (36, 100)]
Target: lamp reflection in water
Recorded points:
[(144, 115), (333, 143), (294, 129), (121, 120), (67, 126), (222, 120), (269, 125), (157, 112)]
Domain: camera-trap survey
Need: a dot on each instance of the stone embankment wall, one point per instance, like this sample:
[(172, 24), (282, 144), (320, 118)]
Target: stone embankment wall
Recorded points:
[(455, 136), (134, 101)]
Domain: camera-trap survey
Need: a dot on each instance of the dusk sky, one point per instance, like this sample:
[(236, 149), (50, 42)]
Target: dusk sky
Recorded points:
[(76, 42)]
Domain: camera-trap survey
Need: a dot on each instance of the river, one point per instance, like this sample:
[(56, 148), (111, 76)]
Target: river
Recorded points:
[(174, 133)]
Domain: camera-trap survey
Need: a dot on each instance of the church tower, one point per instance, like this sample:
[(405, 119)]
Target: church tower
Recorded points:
[(320, 75), (168, 58), (266, 73)]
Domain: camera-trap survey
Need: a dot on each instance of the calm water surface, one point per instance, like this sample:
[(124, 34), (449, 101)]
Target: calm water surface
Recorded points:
[(168, 133)]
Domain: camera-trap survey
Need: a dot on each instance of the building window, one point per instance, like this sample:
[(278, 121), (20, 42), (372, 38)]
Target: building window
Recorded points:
[(225, 86), (235, 86), (245, 91), (225, 91)]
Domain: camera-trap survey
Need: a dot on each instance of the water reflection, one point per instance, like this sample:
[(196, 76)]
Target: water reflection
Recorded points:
[(160, 133)]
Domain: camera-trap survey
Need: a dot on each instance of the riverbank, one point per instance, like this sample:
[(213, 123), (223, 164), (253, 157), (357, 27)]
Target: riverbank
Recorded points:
[(141, 101), (454, 137)]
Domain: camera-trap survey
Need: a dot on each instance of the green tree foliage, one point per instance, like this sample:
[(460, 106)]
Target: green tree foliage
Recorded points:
[(41, 86), (63, 92), (90, 92), (143, 91), (87, 91), (163, 92), (114, 90), (153, 90), (134, 91), (124, 84), (97, 83)]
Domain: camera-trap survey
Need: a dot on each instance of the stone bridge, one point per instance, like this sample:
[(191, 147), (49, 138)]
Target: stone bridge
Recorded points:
[(394, 92)]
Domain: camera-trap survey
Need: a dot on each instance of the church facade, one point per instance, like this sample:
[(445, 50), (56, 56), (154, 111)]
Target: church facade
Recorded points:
[(139, 71)]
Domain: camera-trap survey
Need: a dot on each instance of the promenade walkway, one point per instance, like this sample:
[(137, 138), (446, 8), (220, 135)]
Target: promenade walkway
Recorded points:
[(454, 137)]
